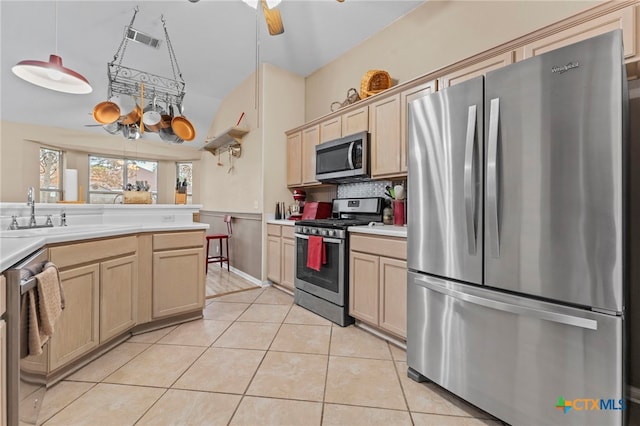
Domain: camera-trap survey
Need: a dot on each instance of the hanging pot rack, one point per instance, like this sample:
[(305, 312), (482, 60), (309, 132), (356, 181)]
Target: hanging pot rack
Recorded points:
[(123, 80)]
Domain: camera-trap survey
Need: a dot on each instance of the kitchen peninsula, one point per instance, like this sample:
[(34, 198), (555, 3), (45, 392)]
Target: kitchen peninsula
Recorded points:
[(125, 269)]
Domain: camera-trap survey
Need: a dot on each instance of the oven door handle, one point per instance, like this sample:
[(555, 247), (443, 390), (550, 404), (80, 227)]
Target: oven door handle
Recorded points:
[(326, 240)]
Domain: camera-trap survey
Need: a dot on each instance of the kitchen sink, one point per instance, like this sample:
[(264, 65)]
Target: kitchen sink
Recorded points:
[(59, 230)]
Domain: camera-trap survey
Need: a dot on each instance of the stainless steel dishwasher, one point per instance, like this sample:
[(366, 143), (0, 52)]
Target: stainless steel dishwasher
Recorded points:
[(24, 399)]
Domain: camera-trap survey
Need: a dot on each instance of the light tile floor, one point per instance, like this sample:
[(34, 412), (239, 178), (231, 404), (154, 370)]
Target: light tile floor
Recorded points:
[(255, 359)]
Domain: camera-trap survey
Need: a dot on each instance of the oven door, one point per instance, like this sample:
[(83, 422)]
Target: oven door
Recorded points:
[(329, 282)]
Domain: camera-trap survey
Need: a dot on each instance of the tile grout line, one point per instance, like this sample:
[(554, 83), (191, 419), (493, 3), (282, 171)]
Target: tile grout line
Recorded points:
[(244, 394), (326, 375), (42, 421), (404, 395)]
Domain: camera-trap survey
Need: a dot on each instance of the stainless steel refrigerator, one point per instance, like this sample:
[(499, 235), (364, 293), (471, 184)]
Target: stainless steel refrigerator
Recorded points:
[(516, 242)]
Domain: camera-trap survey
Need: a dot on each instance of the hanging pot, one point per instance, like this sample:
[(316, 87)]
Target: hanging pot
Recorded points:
[(183, 127), (131, 132), (152, 117), (130, 112), (106, 112), (113, 128)]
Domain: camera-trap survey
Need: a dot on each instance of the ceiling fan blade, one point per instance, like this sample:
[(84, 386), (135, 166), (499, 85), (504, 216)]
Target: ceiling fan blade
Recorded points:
[(273, 18)]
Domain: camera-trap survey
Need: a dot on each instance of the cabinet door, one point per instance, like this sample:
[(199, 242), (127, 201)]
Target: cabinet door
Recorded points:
[(77, 330), (273, 258), (406, 97), (355, 121), (479, 68), (288, 271), (384, 116), (331, 129), (294, 159), (310, 138), (624, 19), (118, 296), (3, 373), (363, 287), (178, 282), (393, 296)]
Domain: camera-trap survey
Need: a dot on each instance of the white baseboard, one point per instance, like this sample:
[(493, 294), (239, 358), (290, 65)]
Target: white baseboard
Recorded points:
[(247, 277), (634, 394)]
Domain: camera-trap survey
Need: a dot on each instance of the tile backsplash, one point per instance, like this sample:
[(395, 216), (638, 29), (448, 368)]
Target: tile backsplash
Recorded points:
[(374, 188)]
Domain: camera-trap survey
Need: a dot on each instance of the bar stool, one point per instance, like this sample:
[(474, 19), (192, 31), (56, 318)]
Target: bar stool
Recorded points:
[(219, 258)]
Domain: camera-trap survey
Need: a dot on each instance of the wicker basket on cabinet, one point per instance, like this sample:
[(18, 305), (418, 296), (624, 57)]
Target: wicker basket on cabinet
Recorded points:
[(374, 81)]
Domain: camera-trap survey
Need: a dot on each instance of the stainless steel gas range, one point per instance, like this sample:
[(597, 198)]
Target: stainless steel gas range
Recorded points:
[(322, 257)]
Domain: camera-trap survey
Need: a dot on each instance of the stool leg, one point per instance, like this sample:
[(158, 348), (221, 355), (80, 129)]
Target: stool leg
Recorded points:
[(228, 260), (206, 260), (221, 257)]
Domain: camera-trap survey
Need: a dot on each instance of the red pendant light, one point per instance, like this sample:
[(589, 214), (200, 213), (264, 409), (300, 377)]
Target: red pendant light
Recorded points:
[(52, 75)]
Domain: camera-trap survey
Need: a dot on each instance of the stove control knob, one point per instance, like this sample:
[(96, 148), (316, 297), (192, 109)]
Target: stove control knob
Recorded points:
[(305, 230), (314, 231), (333, 233)]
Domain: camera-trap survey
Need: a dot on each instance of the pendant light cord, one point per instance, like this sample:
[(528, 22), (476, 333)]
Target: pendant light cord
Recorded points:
[(55, 14)]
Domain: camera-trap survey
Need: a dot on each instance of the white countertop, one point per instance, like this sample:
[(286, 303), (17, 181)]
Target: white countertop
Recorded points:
[(87, 222), (386, 230), (285, 222)]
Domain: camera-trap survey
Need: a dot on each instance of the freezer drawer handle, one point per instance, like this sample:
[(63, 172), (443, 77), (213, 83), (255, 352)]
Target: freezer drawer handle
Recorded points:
[(469, 187), (508, 307), (492, 179)]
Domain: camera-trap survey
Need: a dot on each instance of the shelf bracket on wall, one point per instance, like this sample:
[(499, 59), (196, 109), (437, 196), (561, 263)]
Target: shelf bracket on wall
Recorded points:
[(229, 140)]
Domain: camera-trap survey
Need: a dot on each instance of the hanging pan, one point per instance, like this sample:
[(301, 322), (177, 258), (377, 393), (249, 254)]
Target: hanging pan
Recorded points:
[(183, 127), (106, 112)]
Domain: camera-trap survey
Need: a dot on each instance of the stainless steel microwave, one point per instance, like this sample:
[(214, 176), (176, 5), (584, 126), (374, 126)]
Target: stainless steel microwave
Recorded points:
[(344, 159)]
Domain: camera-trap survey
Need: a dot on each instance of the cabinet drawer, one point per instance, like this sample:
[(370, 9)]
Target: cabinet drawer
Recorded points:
[(383, 246), (287, 232), (273, 229), (92, 251), (176, 240)]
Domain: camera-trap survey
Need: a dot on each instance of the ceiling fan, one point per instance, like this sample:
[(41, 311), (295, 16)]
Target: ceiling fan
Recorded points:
[(271, 14)]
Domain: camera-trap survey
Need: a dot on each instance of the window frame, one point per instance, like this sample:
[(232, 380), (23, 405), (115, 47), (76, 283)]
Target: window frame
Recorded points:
[(190, 185), (60, 164), (126, 161)]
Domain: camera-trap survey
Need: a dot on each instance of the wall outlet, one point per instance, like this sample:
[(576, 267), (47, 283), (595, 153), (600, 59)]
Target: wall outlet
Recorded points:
[(255, 204), (217, 250), (168, 218)]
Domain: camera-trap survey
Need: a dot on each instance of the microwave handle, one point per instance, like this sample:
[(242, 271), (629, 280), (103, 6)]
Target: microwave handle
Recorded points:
[(350, 154)]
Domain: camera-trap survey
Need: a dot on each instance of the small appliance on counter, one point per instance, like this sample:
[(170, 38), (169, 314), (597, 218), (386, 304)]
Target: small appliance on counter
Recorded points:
[(297, 208)]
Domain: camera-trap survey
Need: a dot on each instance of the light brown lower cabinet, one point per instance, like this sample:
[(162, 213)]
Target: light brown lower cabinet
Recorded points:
[(3, 373), (378, 282), (281, 248), (178, 282), (118, 296), (77, 331)]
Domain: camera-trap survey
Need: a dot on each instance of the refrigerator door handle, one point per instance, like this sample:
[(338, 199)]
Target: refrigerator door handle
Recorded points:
[(469, 184), (492, 179), (509, 307)]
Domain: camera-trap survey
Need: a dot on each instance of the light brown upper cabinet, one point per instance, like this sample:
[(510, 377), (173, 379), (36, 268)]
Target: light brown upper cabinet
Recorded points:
[(625, 19), (406, 97), (310, 138), (476, 69), (386, 147), (294, 159), (355, 121), (331, 129), (350, 122)]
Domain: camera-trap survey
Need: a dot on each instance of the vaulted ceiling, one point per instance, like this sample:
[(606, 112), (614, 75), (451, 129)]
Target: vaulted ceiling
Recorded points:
[(215, 44)]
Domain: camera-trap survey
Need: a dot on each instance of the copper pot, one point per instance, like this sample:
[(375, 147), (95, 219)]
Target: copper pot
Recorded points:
[(183, 127), (106, 112)]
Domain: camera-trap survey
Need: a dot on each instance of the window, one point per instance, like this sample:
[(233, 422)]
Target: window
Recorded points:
[(50, 175), (184, 171), (109, 177)]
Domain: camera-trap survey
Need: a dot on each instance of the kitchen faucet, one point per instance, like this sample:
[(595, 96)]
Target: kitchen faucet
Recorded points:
[(31, 203)]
